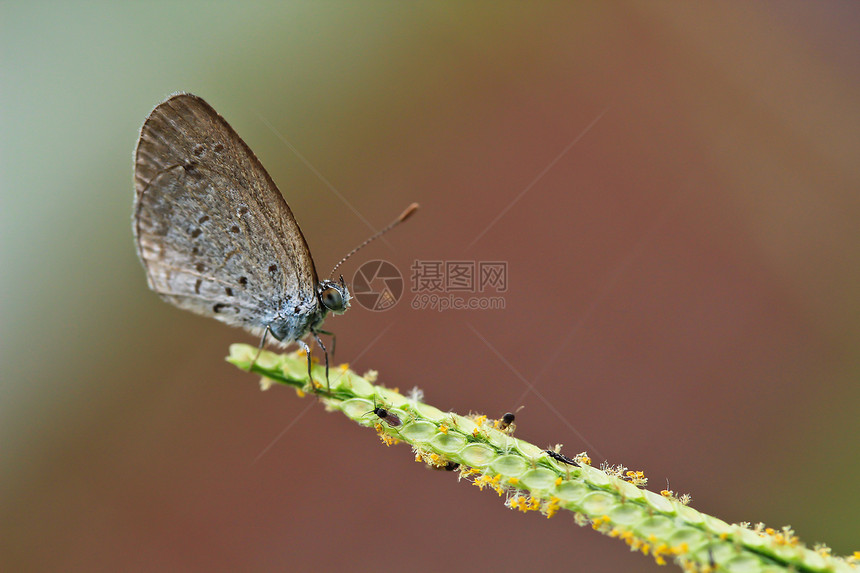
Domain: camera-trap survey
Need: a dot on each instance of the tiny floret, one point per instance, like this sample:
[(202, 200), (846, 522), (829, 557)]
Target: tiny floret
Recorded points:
[(637, 478), (416, 394), (551, 507)]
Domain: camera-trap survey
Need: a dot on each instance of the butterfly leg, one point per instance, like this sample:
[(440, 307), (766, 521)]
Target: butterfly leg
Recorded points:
[(333, 341), (319, 341), (260, 348), (711, 562), (307, 350)]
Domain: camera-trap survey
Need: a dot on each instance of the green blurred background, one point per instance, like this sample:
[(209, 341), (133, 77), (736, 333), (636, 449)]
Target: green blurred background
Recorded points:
[(683, 280)]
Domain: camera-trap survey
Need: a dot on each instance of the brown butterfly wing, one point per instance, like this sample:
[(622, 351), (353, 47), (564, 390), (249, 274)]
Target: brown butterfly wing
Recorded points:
[(214, 233)]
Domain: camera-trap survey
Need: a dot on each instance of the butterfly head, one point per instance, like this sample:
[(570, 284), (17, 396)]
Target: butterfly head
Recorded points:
[(334, 296)]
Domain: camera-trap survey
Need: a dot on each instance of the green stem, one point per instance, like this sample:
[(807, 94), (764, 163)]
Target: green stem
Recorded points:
[(610, 500)]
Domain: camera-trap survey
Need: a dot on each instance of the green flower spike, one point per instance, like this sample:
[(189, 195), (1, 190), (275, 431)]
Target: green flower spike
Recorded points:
[(611, 500)]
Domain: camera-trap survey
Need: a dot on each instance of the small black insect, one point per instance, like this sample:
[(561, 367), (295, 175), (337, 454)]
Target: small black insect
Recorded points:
[(392, 419), (561, 458), (506, 421), (448, 466)]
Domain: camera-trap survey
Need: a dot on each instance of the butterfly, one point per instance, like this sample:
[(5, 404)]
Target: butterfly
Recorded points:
[(216, 236)]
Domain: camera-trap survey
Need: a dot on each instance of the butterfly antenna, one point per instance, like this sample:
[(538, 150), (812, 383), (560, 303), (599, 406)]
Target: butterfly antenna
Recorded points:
[(403, 216)]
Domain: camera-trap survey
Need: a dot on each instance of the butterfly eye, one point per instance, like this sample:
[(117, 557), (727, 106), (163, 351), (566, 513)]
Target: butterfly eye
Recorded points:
[(332, 299)]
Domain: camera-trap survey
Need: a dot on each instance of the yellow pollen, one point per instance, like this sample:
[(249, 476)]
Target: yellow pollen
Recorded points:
[(552, 507)]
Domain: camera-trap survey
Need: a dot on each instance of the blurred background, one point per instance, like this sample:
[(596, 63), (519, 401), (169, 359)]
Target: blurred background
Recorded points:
[(673, 187)]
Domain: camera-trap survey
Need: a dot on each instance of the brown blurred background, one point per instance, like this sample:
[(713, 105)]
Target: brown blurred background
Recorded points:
[(683, 279)]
